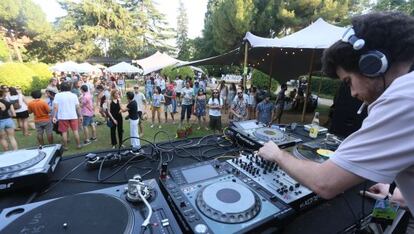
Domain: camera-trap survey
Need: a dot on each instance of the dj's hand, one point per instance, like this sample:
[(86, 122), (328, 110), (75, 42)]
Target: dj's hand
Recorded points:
[(378, 191), (270, 151)]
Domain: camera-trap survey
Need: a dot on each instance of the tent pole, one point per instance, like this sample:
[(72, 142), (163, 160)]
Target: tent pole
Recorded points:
[(270, 70), (246, 47), (308, 86)]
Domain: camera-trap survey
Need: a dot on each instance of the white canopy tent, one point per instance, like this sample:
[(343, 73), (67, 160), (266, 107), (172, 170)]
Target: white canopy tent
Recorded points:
[(87, 68), (68, 66), (123, 67), (256, 41), (156, 62)]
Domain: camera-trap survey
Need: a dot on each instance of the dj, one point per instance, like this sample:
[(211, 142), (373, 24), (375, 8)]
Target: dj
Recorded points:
[(375, 59)]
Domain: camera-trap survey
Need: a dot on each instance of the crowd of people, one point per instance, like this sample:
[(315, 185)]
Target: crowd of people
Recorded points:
[(72, 101)]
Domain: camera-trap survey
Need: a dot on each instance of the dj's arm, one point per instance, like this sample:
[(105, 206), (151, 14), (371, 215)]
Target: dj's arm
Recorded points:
[(325, 179)]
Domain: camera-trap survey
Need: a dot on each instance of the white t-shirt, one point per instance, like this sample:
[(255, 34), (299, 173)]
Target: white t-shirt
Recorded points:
[(19, 98), (187, 94), (178, 85), (67, 103), (140, 98), (215, 112), (383, 149)]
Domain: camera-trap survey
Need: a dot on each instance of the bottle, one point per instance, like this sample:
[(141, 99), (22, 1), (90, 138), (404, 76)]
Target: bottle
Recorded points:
[(313, 131)]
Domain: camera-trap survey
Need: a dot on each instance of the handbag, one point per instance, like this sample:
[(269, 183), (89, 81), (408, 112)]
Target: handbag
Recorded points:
[(109, 123)]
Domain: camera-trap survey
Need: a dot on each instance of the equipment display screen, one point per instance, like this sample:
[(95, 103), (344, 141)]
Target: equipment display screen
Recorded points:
[(199, 173)]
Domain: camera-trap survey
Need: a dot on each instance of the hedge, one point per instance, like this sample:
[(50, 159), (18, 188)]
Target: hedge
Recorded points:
[(261, 81), (28, 76), (329, 86), (42, 75), (172, 72)]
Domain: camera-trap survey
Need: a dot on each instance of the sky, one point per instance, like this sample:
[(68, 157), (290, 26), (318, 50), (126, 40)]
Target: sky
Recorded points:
[(195, 12)]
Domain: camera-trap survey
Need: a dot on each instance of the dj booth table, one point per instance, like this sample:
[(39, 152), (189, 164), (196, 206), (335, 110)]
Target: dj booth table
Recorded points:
[(331, 216)]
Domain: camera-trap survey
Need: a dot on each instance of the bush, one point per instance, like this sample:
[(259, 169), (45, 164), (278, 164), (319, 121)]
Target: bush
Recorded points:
[(329, 86), (16, 74), (172, 72), (4, 50), (261, 81), (42, 76)]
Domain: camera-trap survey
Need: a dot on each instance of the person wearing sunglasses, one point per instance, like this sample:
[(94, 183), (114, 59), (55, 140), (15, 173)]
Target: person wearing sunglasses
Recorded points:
[(239, 107)]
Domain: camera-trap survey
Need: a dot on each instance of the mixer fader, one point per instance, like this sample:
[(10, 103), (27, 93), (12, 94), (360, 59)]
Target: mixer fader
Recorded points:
[(272, 178)]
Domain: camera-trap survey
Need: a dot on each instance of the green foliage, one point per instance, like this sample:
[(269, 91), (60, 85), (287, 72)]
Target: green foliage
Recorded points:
[(328, 86), (42, 76), (183, 45), (395, 5), (172, 72), (23, 16), (16, 74), (4, 50), (29, 77), (261, 81)]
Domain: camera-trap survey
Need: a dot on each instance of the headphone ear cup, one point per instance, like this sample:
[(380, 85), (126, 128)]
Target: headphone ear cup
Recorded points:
[(373, 63)]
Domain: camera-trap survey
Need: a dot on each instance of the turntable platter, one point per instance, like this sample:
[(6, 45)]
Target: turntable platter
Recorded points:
[(270, 134), (228, 202), (83, 213), (19, 160)]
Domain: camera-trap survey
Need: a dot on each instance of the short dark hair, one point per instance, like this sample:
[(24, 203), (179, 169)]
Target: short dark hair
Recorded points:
[(13, 91), (36, 94), (391, 33), (84, 88), (130, 95), (65, 86), (99, 87)]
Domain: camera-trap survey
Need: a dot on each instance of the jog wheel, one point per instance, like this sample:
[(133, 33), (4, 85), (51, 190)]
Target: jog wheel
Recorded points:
[(228, 202)]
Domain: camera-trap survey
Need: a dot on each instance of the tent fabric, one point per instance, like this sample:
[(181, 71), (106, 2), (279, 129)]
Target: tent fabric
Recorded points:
[(256, 41), (283, 58), (156, 62), (123, 67), (68, 66), (87, 68), (319, 35)]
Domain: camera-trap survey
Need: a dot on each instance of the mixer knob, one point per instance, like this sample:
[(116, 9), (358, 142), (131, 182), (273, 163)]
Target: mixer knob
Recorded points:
[(297, 185), (264, 172), (291, 188)]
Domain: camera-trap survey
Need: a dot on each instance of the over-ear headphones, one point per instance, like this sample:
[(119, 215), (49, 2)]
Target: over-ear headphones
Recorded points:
[(373, 63)]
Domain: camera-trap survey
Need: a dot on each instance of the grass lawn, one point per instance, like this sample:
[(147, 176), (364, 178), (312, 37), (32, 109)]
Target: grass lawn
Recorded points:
[(104, 137)]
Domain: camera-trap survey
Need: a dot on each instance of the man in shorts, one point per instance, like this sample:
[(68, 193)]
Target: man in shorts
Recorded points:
[(87, 113), (67, 111), (141, 101), (41, 111)]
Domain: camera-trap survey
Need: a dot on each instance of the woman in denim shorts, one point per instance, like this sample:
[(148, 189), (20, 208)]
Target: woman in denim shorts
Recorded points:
[(6, 123)]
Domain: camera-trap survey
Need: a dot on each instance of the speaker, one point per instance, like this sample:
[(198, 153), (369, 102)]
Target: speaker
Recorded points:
[(344, 119)]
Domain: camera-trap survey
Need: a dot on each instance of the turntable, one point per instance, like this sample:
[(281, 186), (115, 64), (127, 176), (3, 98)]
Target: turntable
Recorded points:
[(254, 134), (31, 167), (318, 150), (101, 211)]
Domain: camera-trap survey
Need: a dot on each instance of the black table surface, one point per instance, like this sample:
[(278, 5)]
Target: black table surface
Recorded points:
[(330, 216)]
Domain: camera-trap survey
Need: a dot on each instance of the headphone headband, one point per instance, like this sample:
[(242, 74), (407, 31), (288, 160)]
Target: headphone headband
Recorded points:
[(350, 37)]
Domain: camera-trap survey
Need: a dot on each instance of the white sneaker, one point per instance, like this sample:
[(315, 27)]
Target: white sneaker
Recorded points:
[(152, 126), (160, 126)]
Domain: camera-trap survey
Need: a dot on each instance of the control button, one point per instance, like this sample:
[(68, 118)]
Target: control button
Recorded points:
[(200, 228), (182, 204)]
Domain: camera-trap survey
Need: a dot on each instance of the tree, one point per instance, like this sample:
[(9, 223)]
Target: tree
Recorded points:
[(183, 44), (395, 5), (231, 21), (21, 20), (4, 50)]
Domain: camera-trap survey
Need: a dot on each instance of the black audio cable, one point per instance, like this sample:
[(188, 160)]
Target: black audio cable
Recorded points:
[(65, 176)]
